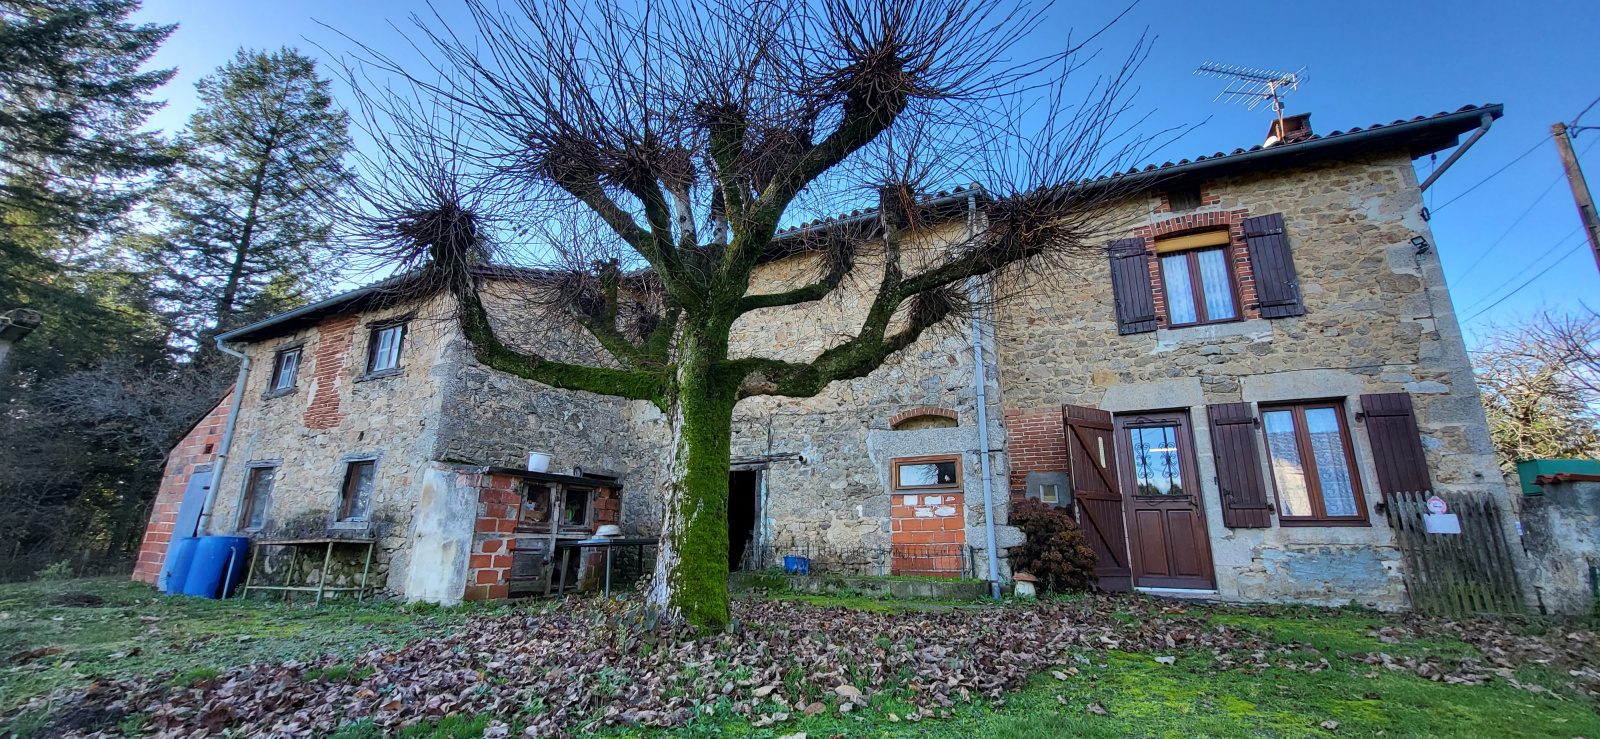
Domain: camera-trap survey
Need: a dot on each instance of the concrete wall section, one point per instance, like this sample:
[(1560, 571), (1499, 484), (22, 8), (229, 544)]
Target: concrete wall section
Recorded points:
[(1561, 532), (441, 537)]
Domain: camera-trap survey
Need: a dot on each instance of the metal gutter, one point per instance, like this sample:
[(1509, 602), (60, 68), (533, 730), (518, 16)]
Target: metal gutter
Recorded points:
[(983, 418), (1483, 128), (227, 439)]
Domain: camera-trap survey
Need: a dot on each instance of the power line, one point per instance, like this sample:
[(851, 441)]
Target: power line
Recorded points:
[(1542, 273), (1490, 248), (1496, 173), (1560, 243), (1574, 123)]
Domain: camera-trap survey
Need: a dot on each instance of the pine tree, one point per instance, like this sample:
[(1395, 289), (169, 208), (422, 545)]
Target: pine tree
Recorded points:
[(245, 238), (73, 161)]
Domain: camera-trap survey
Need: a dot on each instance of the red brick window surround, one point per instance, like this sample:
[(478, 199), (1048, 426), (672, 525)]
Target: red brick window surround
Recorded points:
[(1238, 260)]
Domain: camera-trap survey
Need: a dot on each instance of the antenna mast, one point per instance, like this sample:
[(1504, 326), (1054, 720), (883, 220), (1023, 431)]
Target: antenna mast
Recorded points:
[(1250, 87)]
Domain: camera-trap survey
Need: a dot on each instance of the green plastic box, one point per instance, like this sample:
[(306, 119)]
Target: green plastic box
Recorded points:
[(1531, 468)]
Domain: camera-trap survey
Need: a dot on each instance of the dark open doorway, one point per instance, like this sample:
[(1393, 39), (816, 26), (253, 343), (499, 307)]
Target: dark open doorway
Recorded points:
[(744, 491)]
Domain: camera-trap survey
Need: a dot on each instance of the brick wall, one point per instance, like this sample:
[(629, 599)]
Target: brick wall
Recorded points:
[(499, 505), (1036, 442), (333, 348), (199, 447), (928, 531)]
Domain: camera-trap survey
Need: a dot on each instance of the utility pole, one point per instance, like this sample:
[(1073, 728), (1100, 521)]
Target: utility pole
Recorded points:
[(1580, 189)]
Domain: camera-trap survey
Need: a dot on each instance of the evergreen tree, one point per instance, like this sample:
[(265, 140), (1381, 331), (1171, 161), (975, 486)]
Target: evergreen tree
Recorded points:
[(245, 237), (73, 161)]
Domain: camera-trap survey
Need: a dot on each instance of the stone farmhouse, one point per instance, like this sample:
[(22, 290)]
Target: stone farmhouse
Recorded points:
[(1266, 351)]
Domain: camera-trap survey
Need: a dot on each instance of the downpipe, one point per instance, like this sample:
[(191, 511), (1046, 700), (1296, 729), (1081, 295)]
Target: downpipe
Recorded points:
[(983, 416), (227, 436)]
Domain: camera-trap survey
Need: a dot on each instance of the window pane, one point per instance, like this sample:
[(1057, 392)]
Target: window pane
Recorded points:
[(288, 362), (261, 479), (358, 491), (1156, 469), (1286, 468), (1050, 493), (1180, 294), (1333, 468), (1214, 282), (927, 474), (387, 353)]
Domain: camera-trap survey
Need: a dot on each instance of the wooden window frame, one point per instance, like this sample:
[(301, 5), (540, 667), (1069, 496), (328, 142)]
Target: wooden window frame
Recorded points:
[(346, 499), (1302, 440), (373, 343), (558, 498), (247, 496), (1197, 288), (897, 463)]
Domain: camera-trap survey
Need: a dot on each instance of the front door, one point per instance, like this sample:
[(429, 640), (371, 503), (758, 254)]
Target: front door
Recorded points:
[(1161, 497), (1091, 456)]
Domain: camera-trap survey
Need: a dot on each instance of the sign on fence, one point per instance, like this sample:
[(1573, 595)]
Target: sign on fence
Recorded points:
[(1455, 554)]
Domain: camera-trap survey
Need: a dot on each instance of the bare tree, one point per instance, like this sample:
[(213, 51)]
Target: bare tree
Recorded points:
[(648, 159), (1539, 387)]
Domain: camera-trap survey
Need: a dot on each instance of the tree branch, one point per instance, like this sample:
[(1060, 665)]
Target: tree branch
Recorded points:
[(487, 347)]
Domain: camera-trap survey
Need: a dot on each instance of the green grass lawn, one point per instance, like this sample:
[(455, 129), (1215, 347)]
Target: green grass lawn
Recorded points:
[(1104, 694)]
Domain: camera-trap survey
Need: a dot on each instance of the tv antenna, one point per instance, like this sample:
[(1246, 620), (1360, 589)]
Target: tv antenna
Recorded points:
[(1250, 87)]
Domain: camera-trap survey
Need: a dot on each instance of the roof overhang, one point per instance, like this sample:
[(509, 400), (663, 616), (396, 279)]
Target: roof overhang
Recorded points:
[(1418, 137)]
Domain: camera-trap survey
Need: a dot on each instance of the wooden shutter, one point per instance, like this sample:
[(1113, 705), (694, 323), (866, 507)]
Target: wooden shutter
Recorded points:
[(1233, 443), (1092, 458), (1130, 286), (1402, 466), (1277, 287)]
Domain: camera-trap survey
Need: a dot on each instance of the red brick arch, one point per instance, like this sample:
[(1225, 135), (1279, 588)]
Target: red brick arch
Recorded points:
[(921, 411)]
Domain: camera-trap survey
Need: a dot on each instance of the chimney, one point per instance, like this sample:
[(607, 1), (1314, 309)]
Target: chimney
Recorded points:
[(1290, 129)]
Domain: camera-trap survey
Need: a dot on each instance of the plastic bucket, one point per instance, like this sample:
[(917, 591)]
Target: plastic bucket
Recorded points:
[(796, 565), (219, 563), (178, 568)]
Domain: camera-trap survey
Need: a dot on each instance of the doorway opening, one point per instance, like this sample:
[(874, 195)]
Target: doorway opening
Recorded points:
[(744, 503)]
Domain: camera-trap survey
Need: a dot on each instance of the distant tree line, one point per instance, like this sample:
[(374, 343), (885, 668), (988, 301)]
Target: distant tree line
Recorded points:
[(138, 248)]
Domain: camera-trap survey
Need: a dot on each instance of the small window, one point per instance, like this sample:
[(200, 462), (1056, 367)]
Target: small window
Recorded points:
[(1198, 285), (927, 473), (575, 508), (536, 510), (383, 352), (1050, 494), (356, 497), (257, 495), (1309, 451), (284, 368)]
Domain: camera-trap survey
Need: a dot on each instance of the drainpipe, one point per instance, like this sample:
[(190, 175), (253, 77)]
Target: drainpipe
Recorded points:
[(983, 417), (227, 436), (1483, 128)]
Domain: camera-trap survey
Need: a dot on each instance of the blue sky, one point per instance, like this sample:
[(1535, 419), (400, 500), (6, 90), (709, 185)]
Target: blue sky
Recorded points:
[(1369, 62)]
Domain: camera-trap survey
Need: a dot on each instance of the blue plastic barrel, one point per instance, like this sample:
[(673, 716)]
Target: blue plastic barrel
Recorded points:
[(796, 565), (218, 561), (178, 567)]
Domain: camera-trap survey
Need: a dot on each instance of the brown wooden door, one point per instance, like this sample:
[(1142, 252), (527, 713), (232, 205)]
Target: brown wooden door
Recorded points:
[(1091, 452), (1161, 494)]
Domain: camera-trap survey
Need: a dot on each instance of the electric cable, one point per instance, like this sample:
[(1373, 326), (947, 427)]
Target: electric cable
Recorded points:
[(1490, 248), (1496, 173), (1530, 281)]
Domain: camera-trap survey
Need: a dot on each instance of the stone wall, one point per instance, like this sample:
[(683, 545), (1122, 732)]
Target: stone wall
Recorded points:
[(1378, 319), (1561, 534), (828, 457), (336, 412), (198, 448)]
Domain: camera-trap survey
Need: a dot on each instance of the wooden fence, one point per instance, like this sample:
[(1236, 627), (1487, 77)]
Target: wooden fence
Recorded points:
[(1456, 574)]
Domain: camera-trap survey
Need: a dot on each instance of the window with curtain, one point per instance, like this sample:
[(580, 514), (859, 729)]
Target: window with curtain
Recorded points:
[(1313, 466), (1198, 285)]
